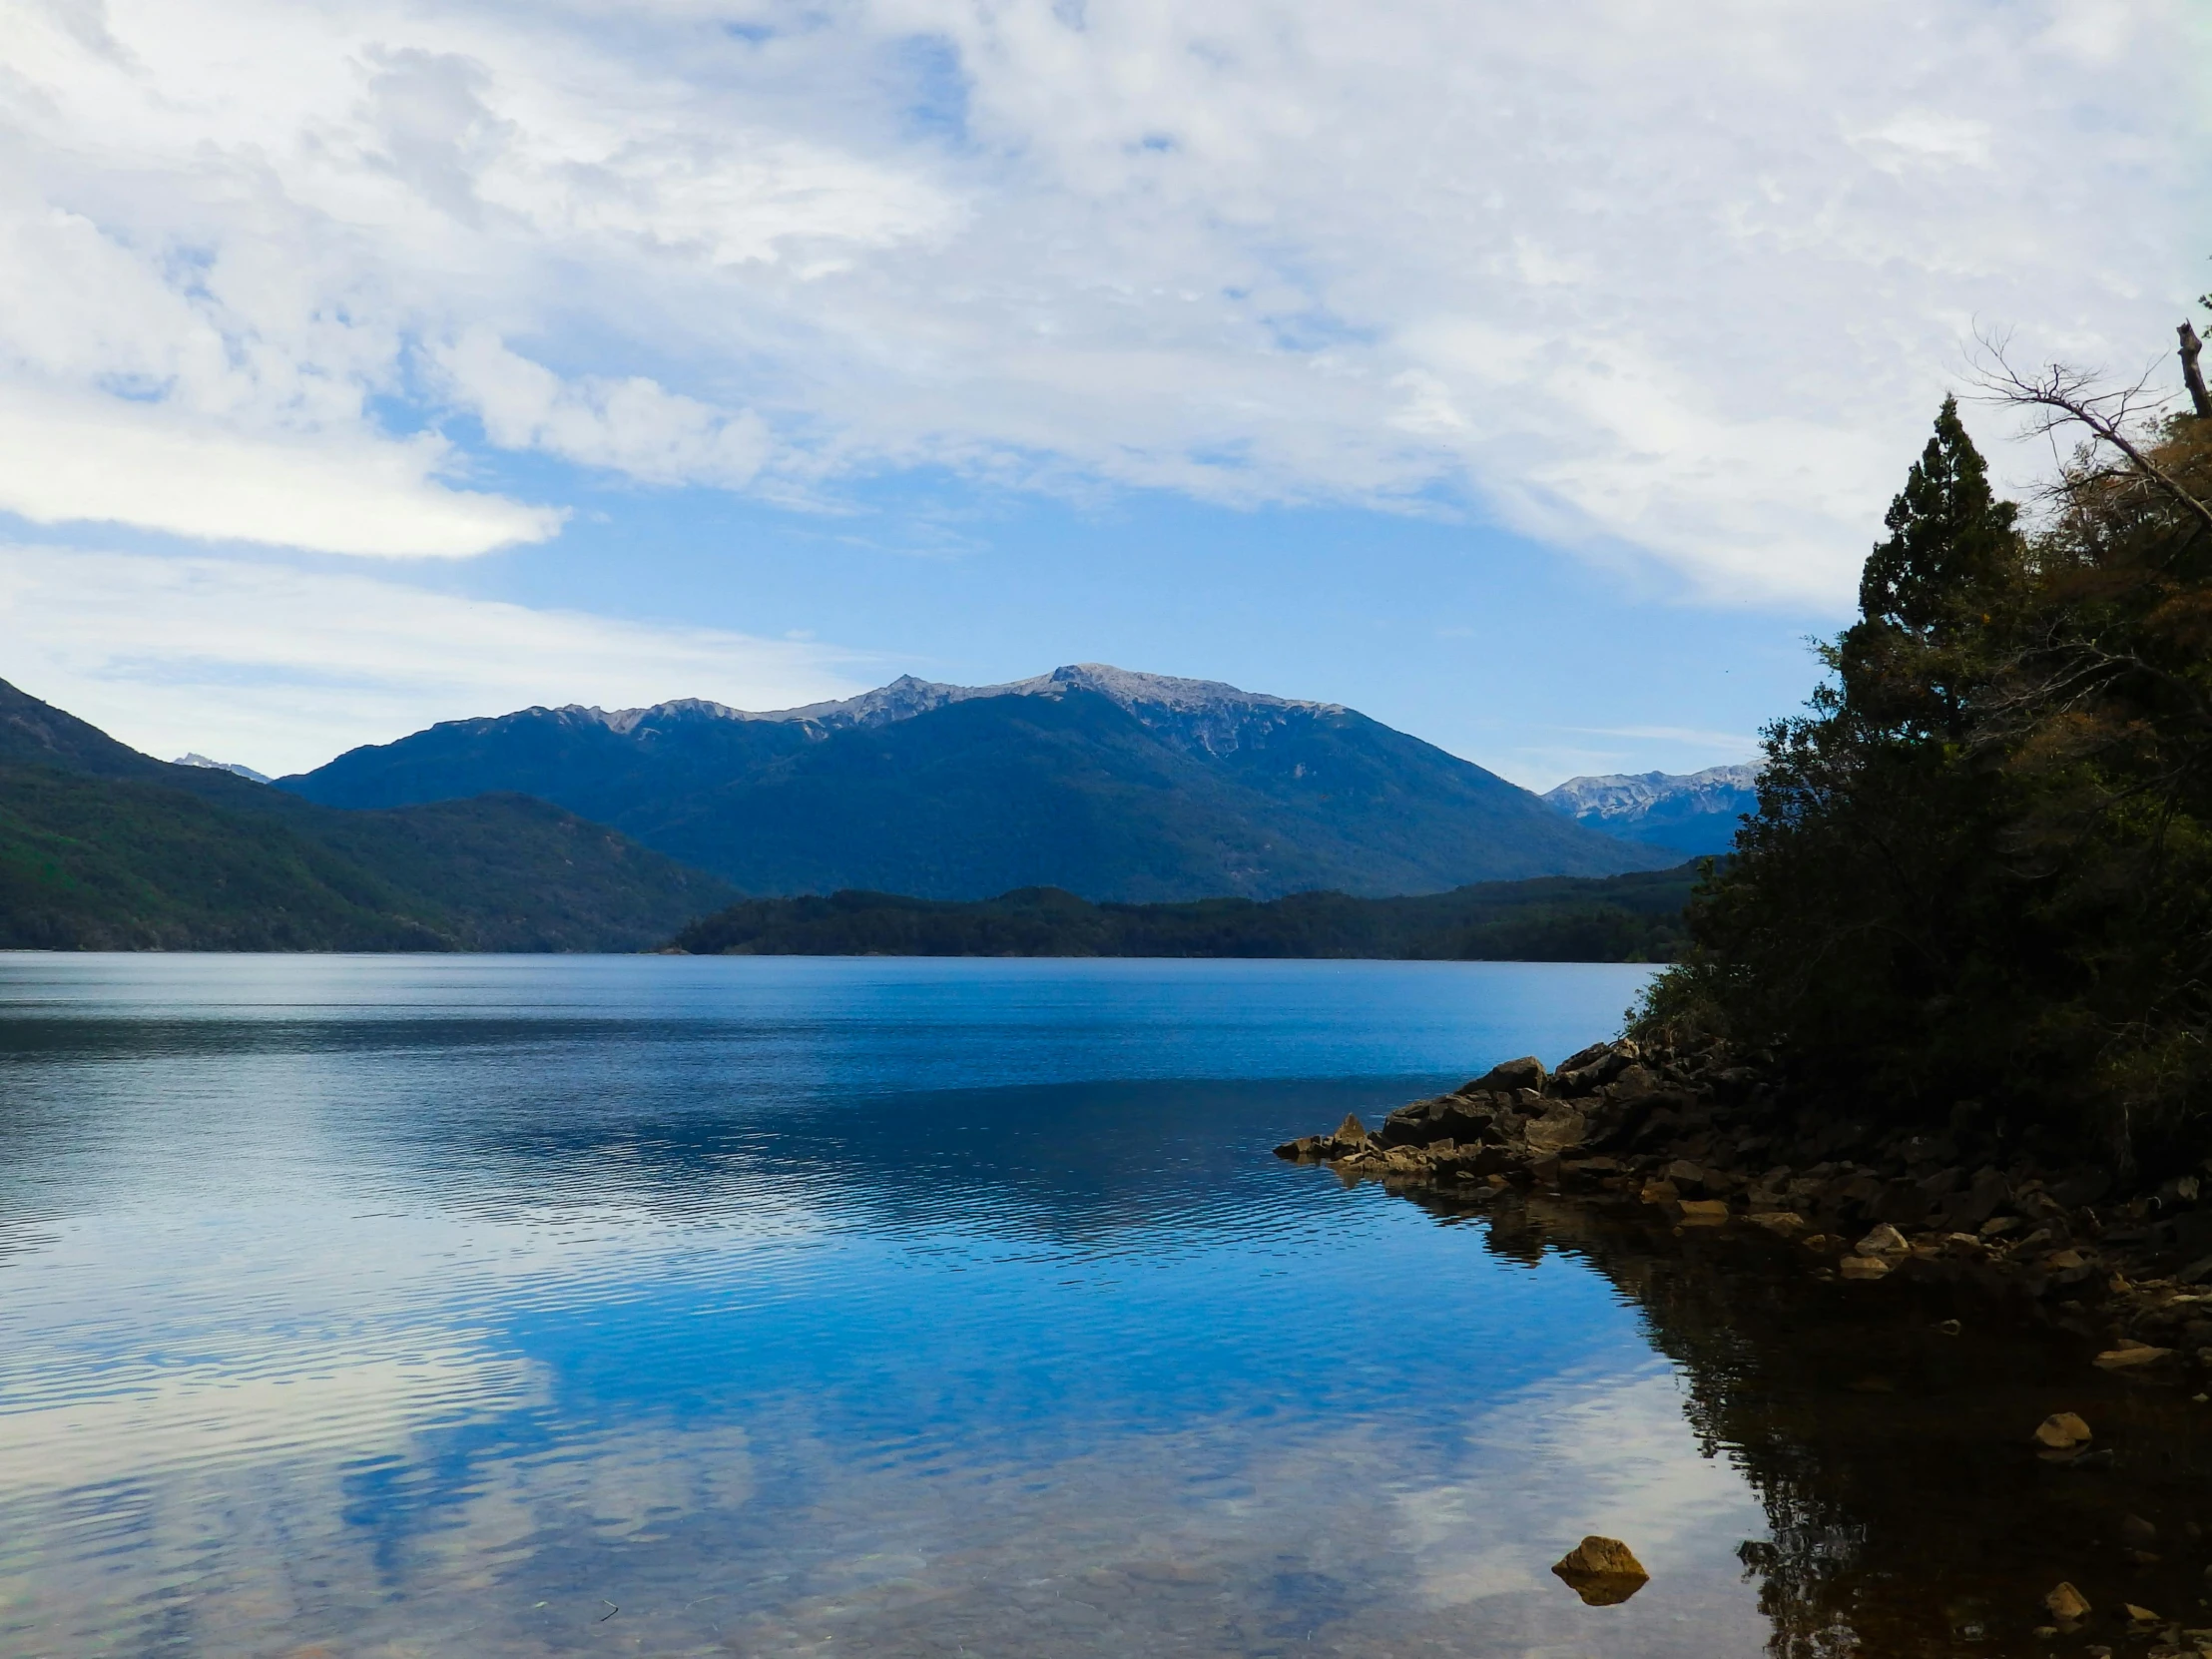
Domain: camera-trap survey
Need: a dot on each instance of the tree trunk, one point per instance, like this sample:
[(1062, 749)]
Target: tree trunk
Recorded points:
[(2191, 375)]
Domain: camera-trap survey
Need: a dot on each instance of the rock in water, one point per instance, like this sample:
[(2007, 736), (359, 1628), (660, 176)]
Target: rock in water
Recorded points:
[(2066, 1604), (2062, 1431), (1604, 1572), (1352, 1131), (2129, 1356)]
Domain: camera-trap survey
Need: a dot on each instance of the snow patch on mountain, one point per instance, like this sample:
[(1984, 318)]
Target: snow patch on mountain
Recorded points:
[(199, 759), (1205, 714), (1632, 795), (1690, 812)]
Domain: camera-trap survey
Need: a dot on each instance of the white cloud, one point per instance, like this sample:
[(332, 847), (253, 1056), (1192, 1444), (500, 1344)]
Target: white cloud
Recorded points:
[(65, 458), (1682, 281), (632, 425), (279, 667)]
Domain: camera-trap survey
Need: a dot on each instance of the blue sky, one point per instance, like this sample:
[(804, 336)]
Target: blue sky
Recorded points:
[(1531, 379)]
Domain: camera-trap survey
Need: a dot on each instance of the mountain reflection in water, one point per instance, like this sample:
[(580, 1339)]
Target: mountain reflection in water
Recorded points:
[(385, 1305)]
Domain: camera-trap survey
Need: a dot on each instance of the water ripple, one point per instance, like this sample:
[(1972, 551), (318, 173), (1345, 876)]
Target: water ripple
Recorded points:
[(380, 1305)]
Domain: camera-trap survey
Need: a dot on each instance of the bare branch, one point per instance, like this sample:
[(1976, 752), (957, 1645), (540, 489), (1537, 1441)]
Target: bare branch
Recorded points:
[(2058, 396)]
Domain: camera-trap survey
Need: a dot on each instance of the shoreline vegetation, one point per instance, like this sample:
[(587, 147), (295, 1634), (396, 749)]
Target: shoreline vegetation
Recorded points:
[(1620, 918), (1977, 892)]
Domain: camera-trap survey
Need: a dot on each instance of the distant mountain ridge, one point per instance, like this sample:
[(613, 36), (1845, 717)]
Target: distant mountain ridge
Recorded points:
[(1114, 784), (1687, 812)]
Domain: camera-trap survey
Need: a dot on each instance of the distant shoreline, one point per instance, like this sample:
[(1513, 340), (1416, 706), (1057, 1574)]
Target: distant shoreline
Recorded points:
[(1620, 918)]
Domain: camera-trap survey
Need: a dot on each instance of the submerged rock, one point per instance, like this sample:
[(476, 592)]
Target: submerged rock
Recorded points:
[(2062, 1431), (2131, 1356), (1604, 1572), (2066, 1604)]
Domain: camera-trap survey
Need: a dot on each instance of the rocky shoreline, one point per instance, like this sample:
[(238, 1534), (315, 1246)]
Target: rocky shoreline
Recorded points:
[(1711, 1143)]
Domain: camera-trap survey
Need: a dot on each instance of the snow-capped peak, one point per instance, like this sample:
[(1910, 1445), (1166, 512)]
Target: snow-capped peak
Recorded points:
[(1206, 713)]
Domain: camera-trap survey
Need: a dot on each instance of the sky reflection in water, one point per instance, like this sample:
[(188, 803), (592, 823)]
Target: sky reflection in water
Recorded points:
[(387, 1306)]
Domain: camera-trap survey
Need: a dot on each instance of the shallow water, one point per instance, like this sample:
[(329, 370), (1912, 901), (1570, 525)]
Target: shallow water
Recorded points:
[(368, 1306)]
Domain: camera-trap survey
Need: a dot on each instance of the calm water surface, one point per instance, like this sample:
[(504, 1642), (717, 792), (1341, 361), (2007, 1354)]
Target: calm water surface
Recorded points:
[(385, 1305)]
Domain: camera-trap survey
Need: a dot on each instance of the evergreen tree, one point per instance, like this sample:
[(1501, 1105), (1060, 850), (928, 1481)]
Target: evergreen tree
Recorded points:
[(1980, 879)]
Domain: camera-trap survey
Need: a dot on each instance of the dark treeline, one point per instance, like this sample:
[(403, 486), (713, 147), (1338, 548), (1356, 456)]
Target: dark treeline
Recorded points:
[(1978, 884), (1622, 919)]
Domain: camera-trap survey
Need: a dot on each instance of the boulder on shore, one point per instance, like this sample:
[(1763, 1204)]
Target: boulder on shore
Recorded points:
[(1706, 1135), (1527, 1072)]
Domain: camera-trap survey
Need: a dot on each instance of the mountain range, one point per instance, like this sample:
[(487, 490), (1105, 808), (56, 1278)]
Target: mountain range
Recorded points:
[(1687, 814), (102, 847), (1112, 785)]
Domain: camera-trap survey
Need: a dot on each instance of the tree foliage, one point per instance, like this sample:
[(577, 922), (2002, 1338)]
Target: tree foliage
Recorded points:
[(1979, 878)]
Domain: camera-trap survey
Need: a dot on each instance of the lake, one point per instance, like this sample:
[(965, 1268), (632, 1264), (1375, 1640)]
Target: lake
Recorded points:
[(506, 1306)]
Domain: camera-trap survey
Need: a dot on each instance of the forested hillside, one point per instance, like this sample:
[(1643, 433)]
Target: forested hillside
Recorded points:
[(102, 847)]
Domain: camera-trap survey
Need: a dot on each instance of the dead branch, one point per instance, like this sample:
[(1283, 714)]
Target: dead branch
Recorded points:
[(2057, 396)]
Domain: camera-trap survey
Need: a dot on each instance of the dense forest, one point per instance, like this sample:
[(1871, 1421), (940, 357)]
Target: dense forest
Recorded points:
[(1978, 884), (1633, 918)]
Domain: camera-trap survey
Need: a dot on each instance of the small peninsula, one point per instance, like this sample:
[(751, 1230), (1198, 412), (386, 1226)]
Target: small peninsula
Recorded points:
[(1945, 1014)]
